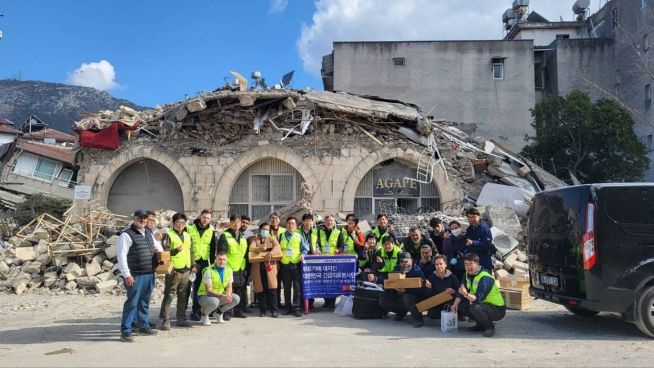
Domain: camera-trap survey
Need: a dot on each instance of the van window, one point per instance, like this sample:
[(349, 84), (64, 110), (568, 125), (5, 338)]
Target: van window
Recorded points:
[(630, 206), (559, 212)]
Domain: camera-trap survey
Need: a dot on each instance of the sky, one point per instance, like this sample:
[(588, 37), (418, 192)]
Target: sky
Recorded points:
[(159, 51)]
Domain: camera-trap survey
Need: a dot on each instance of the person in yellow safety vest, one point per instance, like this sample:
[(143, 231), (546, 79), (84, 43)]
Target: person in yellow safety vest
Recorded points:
[(479, 297), (385, 261), (274, 220), (178, 242), (216, 290), (330, 242), (352, 236), (366, 257), (309, 240), (383, 230), (236, 247), (202, 239), (290, 243)]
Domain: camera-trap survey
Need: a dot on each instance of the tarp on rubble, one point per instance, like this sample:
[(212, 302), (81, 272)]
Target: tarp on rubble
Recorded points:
[(108, 138)]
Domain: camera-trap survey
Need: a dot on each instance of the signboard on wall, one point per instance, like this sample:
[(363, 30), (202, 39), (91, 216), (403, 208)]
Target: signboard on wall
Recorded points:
[(82, 192), (393, 181)]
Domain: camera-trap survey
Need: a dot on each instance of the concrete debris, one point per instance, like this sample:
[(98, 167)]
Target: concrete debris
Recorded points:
[(507, 196), (504, 218)]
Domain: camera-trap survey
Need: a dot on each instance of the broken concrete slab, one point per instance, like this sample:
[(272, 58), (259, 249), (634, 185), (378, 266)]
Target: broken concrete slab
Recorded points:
[(504, 243), (41, 234), (105, 286), (99, 258), (505, 219), (505, 195), (520, 183), (502, 170), (111, 252), (87, 281), (92, 268), (25, 254), (60, 261), (32, 268), (41, 247), (105, 276), (196, 105), (71, 285), (44, 259), (73, 268), (107, 265), (49, 279)]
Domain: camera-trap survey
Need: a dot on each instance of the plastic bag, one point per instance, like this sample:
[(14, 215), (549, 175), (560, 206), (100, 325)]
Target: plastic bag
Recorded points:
[(449, 320), (340, 303), (348, 303)]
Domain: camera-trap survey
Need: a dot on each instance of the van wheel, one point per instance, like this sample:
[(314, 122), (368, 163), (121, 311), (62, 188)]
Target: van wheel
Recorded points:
[(645, 311), (580, 311)]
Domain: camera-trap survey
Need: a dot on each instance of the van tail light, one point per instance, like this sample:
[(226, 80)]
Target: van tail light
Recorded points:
[(588, 239)]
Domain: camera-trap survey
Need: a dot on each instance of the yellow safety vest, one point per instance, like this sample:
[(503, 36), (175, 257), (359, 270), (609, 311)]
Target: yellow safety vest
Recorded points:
[(494, 297), (350, 246), (183, 258), (328, 246), (217, 284), (379, 236), (390, 260), (291, 249), (200, 243), (236, 251)]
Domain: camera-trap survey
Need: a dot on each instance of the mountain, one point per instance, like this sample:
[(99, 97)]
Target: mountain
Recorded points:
[(58, 105)]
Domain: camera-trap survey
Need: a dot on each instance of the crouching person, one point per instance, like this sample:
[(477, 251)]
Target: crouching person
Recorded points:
[(402, 301), (215, 292), (479, 297), (439, 281)]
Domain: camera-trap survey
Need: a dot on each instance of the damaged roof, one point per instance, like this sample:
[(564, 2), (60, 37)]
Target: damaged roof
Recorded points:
[(58, 153)]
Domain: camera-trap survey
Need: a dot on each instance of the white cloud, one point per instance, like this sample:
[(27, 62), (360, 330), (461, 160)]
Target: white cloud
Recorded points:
[(277, 6), (392, 20), (100, 75)]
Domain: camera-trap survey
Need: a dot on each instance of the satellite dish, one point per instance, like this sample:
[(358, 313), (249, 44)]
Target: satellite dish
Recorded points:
[(287, 78)]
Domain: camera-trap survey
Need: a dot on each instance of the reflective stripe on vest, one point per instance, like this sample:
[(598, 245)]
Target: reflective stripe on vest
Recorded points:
[(183, 258), (494, 297), (200, 243), (350, 246), (236, 251), (390, 261), (328, 246), (291, 249), (217, 284)]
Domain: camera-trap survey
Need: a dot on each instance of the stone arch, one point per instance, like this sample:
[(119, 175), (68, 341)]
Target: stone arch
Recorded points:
[(238, 166), (450, 195), (105, 178)]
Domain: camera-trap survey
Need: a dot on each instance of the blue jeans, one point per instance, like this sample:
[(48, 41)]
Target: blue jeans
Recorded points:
[(137, 304)]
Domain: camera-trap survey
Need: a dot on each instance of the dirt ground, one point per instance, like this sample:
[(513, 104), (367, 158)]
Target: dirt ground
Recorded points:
[(83, 330)]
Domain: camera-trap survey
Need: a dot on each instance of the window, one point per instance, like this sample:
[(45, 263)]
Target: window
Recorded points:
[(498, 70), (562, 36), (648, 96), (399, 61), (649, 145), (45, 169), (615, 18), (65, 177)]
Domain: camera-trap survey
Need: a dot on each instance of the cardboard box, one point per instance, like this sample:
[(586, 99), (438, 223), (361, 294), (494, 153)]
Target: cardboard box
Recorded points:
[(258, 257), (516, 299), (514, 283), (396, 276), (162, 256), (434, 301), (406, 283), (164, 268)]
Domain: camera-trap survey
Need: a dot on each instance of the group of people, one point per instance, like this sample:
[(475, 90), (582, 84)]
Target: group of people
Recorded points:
[(214, 269)]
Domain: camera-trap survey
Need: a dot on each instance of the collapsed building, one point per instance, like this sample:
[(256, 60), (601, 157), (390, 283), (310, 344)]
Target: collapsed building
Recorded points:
[(256, 151)]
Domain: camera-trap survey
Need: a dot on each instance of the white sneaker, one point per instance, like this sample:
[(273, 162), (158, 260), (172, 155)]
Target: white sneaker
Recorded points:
[(220, 319), (205, 320)]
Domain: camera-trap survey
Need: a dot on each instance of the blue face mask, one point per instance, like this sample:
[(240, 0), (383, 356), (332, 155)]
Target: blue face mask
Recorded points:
[(453, 261), (264, 233)]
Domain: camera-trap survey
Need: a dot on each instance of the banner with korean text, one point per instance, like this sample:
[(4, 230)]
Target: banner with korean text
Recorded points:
[(328, 276)]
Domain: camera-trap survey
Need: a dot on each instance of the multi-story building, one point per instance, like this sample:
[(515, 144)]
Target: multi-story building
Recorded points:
[(494, 84)]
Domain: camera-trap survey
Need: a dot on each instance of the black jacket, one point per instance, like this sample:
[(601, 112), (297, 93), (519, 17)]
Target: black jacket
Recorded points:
[(414, 249), (438, 285)]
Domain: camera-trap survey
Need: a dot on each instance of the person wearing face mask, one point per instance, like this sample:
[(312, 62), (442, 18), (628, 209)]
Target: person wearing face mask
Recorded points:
[(235, 246), (454, 247), (264, 274)]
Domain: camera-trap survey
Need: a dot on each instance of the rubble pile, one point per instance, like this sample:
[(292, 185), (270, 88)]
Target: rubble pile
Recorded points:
[(78, 252)]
